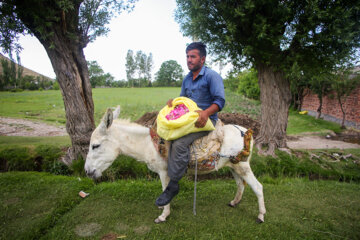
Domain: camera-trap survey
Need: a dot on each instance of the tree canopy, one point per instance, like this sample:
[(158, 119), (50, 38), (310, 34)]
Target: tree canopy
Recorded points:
[(272, 36), (169, 74), (64, 28), (312, 33)]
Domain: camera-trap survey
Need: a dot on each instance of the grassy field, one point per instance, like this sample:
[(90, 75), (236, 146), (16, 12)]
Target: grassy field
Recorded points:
[(47, 106), (42, 206)]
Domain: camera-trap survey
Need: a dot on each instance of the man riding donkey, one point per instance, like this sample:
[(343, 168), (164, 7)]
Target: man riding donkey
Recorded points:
[(205, 87)]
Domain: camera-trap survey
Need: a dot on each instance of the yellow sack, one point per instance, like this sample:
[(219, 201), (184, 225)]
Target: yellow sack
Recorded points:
[(173, 129)]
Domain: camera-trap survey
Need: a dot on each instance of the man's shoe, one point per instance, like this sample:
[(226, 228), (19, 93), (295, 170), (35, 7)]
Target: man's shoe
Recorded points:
[(170, 192)]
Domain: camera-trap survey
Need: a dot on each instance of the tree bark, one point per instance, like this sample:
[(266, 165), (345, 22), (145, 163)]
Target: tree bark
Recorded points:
[(275, 96), (68, 61)]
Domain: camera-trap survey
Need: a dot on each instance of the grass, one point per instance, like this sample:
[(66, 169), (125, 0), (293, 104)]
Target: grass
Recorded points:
[(41, 206), (32, 142), (44, 206), (47, 106), (32, 203), (298, 124)]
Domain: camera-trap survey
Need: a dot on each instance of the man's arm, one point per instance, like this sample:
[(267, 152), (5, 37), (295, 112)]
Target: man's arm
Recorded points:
[(204, 115)]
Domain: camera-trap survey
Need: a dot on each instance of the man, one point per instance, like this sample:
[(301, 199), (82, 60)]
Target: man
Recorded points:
[(205, 87)]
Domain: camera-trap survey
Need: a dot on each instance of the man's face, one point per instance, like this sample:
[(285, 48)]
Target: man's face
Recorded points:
[(194, 61)]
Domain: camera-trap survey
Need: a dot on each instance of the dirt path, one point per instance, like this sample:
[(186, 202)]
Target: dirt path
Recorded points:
[(21, 127), (317, 142)]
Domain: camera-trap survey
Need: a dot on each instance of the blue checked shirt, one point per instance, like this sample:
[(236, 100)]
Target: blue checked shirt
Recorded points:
[(206, 89)]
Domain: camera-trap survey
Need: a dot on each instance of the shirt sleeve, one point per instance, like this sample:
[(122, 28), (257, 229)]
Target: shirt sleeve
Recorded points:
[(217, 90)]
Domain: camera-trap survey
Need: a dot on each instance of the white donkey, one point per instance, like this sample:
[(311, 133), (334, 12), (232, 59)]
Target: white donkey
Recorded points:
[(112, 138)]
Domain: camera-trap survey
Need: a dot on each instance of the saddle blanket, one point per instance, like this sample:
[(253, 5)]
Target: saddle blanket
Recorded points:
[(205, 150)]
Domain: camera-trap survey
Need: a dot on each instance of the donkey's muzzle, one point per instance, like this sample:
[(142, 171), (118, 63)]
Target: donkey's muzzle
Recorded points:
[(90, 173)]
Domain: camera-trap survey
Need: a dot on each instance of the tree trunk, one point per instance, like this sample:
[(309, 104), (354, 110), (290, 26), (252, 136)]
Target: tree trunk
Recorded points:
[(68, 61), (275, 96), (343, 112), (63, 42), (318, 112)]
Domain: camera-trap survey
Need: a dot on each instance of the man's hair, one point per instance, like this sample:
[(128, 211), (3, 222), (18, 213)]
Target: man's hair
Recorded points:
[(199, 46)]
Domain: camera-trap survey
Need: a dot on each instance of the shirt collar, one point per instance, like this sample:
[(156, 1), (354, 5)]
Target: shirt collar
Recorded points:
[(201, 73)]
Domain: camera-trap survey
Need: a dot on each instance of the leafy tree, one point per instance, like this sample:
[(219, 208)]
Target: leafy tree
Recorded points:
[(130, 67), (12, 74), (299, 86), (343, 84), (272, 36), (169, 74), (148, 68), (140, 64), (320, 84), (64, 28), (97, 75)]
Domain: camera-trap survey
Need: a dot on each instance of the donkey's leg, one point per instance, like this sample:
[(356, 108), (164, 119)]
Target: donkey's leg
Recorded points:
[(164, 182), (240, 190), (245, 172)]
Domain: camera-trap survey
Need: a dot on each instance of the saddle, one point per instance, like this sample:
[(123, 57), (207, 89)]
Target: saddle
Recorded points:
[(204, 150)]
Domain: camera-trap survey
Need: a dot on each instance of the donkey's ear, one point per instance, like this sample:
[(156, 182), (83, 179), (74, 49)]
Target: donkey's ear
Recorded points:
[(116, 112), (107, 118)]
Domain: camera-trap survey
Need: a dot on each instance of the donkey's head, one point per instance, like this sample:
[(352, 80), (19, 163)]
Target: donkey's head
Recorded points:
[(102, 150)]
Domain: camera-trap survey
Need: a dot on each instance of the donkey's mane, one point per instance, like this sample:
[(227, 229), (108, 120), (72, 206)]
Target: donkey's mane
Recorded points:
[(134, 127)]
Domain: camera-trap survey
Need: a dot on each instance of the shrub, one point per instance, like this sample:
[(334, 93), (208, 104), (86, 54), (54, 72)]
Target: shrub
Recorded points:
[(248, 84), (18, 159)]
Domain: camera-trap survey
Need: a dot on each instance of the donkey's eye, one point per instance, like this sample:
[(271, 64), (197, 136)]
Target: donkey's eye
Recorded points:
[(95, 146)]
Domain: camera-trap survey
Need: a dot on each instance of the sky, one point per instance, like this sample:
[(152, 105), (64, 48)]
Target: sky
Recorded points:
[(150, 27)]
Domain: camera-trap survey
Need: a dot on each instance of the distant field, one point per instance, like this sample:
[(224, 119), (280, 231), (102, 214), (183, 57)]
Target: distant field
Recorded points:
[(48, 106)]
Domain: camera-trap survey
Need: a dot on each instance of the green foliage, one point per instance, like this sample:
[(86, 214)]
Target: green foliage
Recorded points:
[(170, 74), (249, 85), (97, 76), (85, 19), (140, 64), (77, 167), (343, 85), (18, 159), (41, 158), (125, 167), (56, 85), (48, 157), (276, 33)]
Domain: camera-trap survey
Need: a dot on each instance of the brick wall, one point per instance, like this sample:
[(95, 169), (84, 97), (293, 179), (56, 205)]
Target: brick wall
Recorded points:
[(331, 108)]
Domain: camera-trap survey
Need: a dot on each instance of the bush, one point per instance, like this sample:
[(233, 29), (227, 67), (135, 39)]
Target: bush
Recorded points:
[(248, 84), (42, 158), (17, 159), (16, 90)]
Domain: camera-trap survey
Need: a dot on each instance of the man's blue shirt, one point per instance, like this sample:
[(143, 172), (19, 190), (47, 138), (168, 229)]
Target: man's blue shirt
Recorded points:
[(206, 89)]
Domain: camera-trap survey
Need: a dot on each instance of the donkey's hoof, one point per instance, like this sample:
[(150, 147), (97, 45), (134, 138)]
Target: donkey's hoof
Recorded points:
[(231, 205), (158, 220), (258, 220)]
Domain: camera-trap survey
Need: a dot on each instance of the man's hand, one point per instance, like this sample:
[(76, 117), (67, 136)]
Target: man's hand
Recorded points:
[(203, 117), (169, 102)]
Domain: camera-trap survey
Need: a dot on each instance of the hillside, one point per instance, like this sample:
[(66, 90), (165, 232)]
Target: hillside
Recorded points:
[(26, 70)]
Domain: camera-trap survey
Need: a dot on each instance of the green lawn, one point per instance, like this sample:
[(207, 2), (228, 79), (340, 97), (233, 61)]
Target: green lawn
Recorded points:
[(47, 106), (41, 206)]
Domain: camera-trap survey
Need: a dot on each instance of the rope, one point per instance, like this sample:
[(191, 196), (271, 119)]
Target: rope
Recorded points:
[(195, 181)]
